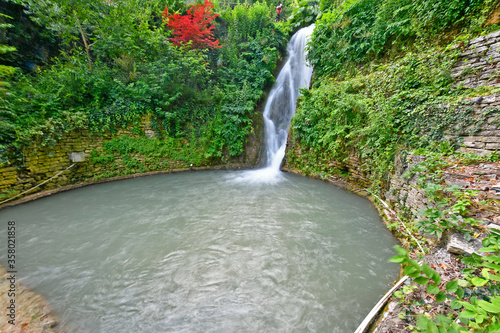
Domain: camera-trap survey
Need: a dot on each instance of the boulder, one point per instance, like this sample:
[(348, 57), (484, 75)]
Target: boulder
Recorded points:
[(457, 244)]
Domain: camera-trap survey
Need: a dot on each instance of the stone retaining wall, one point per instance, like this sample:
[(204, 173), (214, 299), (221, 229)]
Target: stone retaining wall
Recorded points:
[(404, 194), (42, 163), (479, 63), (487, 139), (479, 66)]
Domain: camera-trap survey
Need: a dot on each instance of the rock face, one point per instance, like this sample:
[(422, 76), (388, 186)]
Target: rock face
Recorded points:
[(32, 313), (494, 18)]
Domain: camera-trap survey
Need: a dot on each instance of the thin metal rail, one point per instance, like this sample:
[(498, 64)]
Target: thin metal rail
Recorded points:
[(31, 189)]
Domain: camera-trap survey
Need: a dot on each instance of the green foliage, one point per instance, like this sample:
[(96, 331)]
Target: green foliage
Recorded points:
[(357, 30), (476, 293), (247, 21), (117, 66), (421, 273), (479, 311), (150, 150), (7, 116), (128, 155), (304, 14), (409, 103), (236, 111), (342, 35), (448, 212), (244, 67)]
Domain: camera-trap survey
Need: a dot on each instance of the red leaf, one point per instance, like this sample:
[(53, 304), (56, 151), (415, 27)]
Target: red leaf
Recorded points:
[(195, 27)]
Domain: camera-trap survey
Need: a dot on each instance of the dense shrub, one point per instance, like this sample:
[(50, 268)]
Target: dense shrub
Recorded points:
[(117, 64), (356, 30), (408, 104)]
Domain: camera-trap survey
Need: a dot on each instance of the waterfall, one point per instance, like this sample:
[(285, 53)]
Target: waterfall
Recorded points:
[(281, 103)]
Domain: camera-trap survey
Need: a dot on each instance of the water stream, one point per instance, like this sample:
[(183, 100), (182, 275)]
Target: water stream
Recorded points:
[(214, 251)]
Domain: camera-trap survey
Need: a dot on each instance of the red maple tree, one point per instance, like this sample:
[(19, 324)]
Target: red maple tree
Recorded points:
[(195, 27)]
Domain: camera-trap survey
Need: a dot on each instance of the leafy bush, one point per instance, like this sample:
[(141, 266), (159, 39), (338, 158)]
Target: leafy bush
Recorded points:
[(247, 21), (356, 30), (305, 14), (117, 65), (410, 103)]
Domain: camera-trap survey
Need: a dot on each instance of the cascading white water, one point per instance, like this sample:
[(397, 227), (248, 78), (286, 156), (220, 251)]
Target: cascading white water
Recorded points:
[(280, 105)]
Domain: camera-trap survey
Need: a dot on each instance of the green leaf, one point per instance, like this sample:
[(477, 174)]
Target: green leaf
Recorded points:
[(422, 280), (400, 250), (493, 327), (495, 300), (472, 307), (440, 296), (453, 188), (436, 278), (452, 286), (478, 282), (463, 283), (432, 289), (467, 314), (415, 264), (428, 270), (485, 273), (443, 320), (493, 308), (488, 249), (432, 274), (460, 292), (397, 259), (492, 266), (427, 325), (411, 271), (455, 304), (492, 258)]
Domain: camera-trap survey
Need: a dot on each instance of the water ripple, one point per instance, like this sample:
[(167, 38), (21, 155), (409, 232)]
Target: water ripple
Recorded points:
[(201, 253)]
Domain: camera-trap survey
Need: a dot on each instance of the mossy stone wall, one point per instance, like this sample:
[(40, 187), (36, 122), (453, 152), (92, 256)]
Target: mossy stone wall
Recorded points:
[(42, 163)]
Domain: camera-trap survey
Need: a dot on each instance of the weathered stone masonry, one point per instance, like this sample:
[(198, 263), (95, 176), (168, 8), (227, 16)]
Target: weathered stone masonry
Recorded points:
[(478, 66), (479, 63), (43, 163)]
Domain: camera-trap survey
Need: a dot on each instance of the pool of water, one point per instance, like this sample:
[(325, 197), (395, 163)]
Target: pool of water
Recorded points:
[(204, 252)]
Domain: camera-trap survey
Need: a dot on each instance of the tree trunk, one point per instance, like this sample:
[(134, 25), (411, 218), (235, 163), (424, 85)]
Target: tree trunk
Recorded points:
[(87, 48)]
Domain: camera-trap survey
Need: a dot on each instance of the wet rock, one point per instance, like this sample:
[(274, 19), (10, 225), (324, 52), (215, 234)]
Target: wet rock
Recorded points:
[(494, 226), (49, 324), (457, 244)]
